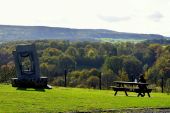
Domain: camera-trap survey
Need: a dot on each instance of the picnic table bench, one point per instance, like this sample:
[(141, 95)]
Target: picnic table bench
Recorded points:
[(121, 87)]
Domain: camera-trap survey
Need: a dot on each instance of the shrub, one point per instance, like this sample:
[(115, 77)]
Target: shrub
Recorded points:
[(59, 81), (168, 86), (93, 81), (81, 86)]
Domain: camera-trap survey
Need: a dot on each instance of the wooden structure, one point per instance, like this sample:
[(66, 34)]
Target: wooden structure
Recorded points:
[(131, 87)]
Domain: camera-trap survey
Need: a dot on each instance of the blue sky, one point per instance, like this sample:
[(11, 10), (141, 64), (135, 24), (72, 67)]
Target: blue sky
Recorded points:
[(138, 16)]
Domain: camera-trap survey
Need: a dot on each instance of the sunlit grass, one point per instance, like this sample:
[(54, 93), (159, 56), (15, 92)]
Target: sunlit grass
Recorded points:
[(61, 99)]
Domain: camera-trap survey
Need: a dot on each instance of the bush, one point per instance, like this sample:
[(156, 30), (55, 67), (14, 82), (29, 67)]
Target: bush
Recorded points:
[(81, 86), (93, 81), (59, 81), (168, 86)]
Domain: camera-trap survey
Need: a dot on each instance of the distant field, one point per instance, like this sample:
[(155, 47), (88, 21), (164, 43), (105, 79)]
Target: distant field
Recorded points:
[(120, 40), (61, 99)]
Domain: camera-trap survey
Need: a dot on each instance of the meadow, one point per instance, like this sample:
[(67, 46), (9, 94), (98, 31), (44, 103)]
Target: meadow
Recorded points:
[(60, 99)]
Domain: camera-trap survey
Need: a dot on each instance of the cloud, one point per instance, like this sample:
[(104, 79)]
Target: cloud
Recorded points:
[(114, 18), (156, 16)]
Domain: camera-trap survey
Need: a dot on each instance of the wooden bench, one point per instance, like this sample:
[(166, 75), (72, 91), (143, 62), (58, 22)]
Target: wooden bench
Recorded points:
[(116, 89), (130, 86), (139, 91)]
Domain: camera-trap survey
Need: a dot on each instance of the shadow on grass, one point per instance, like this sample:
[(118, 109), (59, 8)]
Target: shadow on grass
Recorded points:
[(138, 110), (31, 89), (129, 110)]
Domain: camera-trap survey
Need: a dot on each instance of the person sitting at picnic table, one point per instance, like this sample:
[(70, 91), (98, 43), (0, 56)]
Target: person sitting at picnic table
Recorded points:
[(142, 87)]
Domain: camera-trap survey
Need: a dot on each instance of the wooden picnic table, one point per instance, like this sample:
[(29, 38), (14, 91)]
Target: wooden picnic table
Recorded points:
[(122, 86)]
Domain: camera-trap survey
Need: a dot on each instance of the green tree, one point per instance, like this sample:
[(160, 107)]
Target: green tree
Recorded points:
[(93, 81), (132, 66), (72, 51), (168, 86), (122, 76), (52, 52), (66, 62), (114, 63), (107, 78), (94, 72)]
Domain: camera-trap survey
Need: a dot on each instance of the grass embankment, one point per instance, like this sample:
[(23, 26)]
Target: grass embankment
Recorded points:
[(61, 99)]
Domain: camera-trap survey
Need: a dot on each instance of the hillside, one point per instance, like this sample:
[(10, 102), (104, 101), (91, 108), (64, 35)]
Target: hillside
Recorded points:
[(8, 33)]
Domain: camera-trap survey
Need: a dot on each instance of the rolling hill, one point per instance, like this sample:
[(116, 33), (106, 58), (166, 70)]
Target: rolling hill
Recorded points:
[(9, 33)]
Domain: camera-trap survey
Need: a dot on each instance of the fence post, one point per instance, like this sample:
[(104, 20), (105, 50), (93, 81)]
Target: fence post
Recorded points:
[(100, 80), (162, 84), (65, 78)]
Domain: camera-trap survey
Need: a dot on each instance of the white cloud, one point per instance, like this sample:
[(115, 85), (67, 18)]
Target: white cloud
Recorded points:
[(114, 18), (156, 16), (141, 16)]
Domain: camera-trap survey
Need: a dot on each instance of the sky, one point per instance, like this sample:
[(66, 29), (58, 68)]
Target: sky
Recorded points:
[(136, 16)]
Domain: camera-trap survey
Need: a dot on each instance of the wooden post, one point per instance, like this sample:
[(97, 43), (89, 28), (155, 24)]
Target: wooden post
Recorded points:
[(100, 80), (162, 84), (65, 78)]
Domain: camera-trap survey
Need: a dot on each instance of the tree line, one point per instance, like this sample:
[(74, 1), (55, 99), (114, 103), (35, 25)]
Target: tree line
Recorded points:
[(84, 61)]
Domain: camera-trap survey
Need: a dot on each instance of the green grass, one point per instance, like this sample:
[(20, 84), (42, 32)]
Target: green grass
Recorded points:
[(61, 99)]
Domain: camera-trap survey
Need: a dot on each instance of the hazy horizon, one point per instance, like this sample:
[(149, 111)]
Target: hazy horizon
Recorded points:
[(134, 16)]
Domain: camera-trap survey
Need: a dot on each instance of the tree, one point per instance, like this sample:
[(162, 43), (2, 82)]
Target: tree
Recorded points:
[(7, 72), (122, 76), (66, 62), (108, 77), (72, 51), (156, 48), (106, 49), (124, 48), (44, 69), (73, 78), (132, 66), (52, 52), (152, 75), (94, 72), (168, 86), (114, 63), (93, 81)]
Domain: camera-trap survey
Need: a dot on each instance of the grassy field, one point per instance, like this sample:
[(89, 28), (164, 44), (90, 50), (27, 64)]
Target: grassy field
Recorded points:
[(61, 99)]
